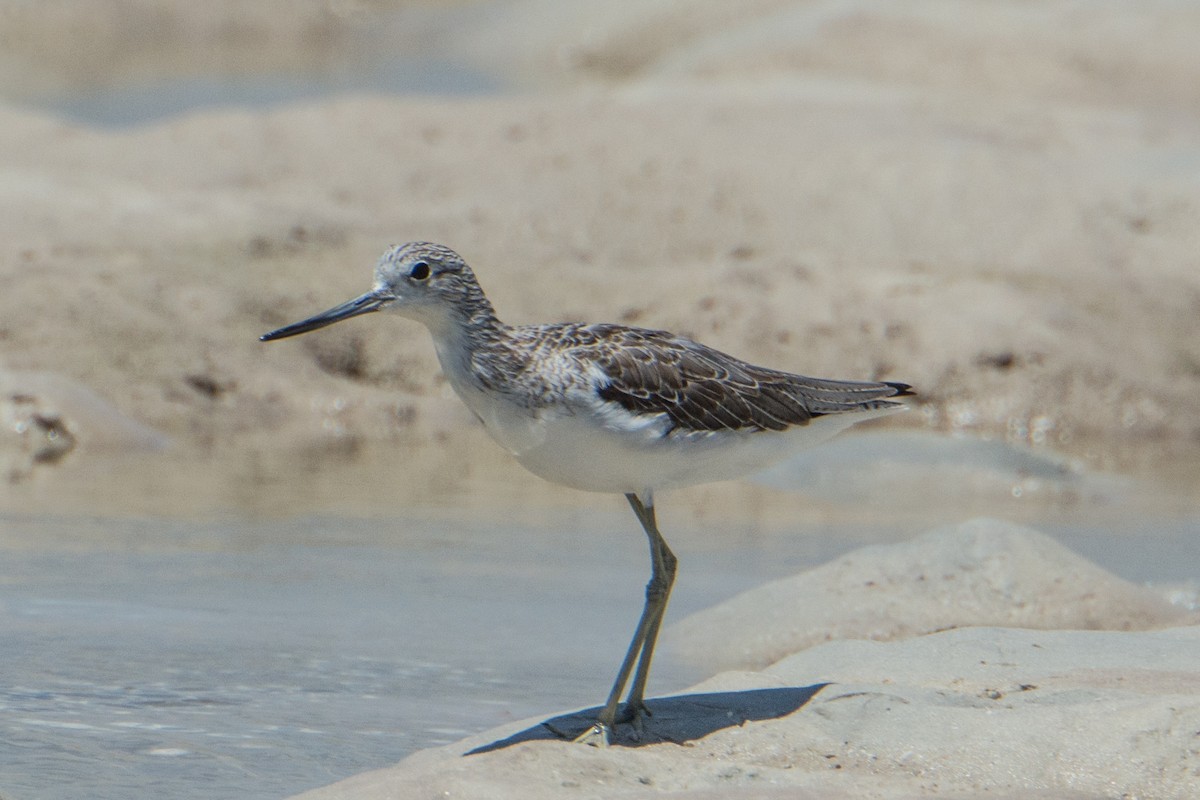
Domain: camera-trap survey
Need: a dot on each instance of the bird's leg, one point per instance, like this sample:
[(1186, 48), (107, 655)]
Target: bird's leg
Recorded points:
[(664, 562), (641, 648)]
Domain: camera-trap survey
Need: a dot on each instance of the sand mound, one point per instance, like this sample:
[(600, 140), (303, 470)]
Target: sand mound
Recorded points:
[(1002, 711), (981, 573), (995, 203)]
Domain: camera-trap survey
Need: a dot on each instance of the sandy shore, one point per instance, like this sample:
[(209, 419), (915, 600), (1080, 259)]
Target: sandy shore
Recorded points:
[(995, 202), (874, 711), (1004, 221)]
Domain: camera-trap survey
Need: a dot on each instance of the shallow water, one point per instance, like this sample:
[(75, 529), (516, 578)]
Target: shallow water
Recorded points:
[(126, 106), (232, 658), (256, 660), (403, 52)]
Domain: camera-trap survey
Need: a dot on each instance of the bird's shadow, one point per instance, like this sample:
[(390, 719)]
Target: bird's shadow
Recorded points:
[(678, 719)]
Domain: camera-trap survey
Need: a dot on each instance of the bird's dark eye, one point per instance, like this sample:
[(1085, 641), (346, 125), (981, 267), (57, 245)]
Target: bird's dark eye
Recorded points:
[(419, 271)]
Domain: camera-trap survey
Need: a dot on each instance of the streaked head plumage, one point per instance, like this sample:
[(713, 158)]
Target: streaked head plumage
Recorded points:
[(421, 280)]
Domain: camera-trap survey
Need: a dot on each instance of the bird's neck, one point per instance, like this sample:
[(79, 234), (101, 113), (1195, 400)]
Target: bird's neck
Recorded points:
[(470, 341), (463, 325)]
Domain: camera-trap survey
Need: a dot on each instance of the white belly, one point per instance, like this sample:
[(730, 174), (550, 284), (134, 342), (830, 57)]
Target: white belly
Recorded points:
[(603, 448)]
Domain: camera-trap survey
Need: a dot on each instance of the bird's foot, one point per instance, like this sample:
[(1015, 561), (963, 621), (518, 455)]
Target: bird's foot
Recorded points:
[(596, 735), (600, 733), (635, 713)]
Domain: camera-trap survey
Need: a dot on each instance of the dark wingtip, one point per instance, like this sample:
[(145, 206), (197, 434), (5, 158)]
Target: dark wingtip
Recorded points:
[(902, 389)]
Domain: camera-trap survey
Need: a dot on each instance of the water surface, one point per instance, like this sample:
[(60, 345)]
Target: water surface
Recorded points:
[(258, 659)]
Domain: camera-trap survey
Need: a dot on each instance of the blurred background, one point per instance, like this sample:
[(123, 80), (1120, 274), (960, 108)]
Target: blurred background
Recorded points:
[(224, 559)]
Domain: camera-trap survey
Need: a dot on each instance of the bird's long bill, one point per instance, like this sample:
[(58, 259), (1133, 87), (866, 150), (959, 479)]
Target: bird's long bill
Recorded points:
[(365, 304)]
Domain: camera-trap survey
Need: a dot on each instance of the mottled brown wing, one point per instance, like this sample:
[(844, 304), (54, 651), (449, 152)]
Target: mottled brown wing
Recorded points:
[(701, 389)]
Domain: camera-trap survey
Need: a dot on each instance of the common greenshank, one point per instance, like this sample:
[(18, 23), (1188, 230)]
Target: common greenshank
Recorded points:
[(610, 408)]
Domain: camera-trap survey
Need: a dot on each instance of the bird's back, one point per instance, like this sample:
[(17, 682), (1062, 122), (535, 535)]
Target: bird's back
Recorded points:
[(649, 372)]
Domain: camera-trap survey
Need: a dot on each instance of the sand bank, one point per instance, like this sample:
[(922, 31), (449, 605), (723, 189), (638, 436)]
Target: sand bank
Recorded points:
[(965, 711), (1019, 245)]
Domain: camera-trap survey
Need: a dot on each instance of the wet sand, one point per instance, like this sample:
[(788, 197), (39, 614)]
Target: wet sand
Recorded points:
[(995, 202), (1020, 250)]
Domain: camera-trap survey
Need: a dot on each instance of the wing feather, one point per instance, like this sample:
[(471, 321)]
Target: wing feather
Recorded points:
[(701, 389)]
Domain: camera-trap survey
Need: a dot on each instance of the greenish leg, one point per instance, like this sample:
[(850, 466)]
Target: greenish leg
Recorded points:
[(641, 648)]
